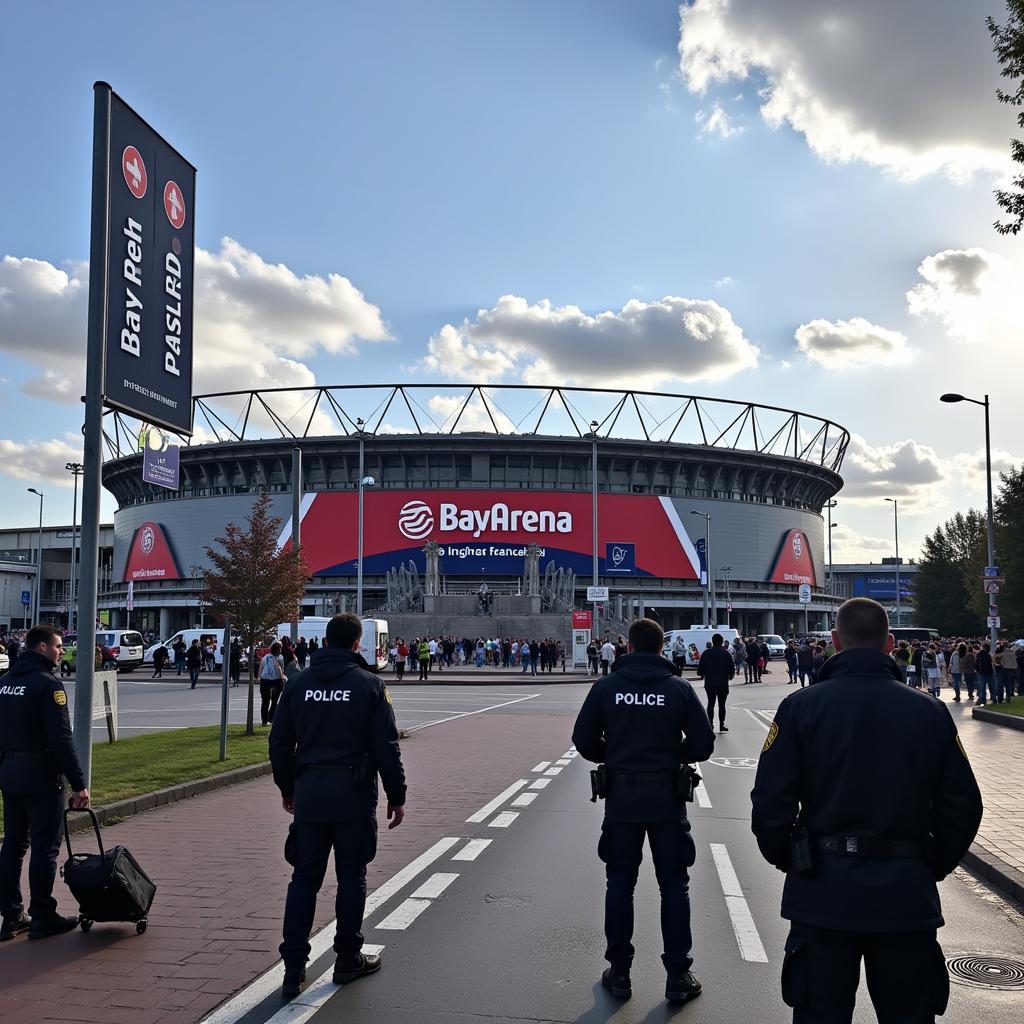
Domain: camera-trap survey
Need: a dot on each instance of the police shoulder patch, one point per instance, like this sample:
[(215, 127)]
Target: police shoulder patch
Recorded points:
[(60, 697), (770, 738), (960, 744), (387, 695)]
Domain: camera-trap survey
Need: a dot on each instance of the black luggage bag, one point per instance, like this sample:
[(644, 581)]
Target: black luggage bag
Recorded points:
[(109, 885)]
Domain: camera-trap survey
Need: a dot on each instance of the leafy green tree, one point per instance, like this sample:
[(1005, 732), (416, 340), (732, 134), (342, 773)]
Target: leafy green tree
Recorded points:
[(254, 583), (940, 586), (1009, 523), (1008, 45)]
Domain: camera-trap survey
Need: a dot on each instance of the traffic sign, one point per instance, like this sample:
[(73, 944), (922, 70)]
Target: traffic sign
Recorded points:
[(597, 593), (26, 597), (994, 620), (728, 606), (991, 570), (992, 586), (993, 610), (805, 593)]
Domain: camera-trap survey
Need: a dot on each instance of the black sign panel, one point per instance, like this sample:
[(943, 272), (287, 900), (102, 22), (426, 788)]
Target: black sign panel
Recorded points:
[(147, 368)]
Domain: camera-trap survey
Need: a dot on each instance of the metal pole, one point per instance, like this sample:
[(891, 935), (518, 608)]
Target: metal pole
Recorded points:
[(39, 567), (993, 630), (296, 528), (707, 567), (896, 529), (225, 681), (76, 468), (593, 502), (711, 578), (359, 554), (92, 433)]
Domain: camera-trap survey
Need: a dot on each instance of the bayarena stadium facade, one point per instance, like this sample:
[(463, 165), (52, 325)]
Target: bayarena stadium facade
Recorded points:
[(486, 472)]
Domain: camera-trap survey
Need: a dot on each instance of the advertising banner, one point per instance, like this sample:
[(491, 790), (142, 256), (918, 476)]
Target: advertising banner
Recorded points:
[(582, 620), (160, 468), (620, 559), (150, 556), (580, 639), (702, 555), (147, 366), (794, 563), (882, 588), (482, 532)]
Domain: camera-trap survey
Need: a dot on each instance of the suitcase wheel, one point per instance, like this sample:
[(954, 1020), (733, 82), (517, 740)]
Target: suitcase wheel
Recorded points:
[(85, 924), (141, 926)]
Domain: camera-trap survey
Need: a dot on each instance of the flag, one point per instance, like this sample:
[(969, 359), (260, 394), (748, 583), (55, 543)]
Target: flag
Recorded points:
[(131, 595)]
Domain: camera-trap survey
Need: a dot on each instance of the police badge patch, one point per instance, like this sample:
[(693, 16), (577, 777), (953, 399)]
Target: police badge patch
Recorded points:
[(770, 738), (387, 695), (60, 697)]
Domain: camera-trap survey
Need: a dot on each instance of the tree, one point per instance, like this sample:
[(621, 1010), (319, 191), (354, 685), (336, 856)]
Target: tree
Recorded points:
[(1008, 45), (1009, 523), (940, 586), (253, 582)]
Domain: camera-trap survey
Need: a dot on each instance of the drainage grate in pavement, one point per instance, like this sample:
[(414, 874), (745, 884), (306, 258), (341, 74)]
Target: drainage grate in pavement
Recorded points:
[(986, 971)]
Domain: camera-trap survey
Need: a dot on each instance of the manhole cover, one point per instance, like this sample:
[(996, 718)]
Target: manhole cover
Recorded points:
[(986, 971)]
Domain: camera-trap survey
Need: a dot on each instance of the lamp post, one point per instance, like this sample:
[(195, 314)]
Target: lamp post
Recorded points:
[(709, 592), (993, 630), (75, 469), (727, 572), (195, 571), (896, 527), (39, 558), (593, 511), (364, 481)]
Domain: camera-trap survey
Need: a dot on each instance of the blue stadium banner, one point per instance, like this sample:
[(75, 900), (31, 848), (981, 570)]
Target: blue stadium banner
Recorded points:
[(160, 466), (150, 243), (702, 554), (619, 559)]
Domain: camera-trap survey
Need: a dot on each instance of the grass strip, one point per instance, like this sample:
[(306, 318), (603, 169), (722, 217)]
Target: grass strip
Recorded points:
[(143, 764), (1013, 707)]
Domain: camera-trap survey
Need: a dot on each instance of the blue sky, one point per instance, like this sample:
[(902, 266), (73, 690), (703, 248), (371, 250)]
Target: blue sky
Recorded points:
[(440, 156)]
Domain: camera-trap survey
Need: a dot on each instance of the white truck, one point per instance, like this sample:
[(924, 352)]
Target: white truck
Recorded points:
[(696, 639), (373, 646)]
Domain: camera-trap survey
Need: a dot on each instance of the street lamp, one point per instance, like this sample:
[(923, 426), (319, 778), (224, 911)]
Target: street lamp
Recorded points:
[(727, 572), (195, 571), (75, 469), (709, 591), (593, 502), (364, 481), (39, 560), (951, 398), (896, 526)]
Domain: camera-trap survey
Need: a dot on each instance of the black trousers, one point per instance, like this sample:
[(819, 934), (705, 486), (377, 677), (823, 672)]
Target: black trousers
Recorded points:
[(270, 691), (34, 820), (672, 850), (906, 974), (716, 692), (355, 845)]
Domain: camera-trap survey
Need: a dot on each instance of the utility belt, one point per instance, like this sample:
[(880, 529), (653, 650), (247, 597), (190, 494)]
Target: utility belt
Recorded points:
[(362, 769), (685, 780), (804, 847), (38, 754)]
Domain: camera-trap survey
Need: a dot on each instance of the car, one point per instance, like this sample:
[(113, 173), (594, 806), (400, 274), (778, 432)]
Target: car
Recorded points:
[(5, 662), (776, 645), (126, 647)]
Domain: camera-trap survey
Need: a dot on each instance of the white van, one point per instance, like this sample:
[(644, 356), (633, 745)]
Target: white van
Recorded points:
[(373, 646), (776, 645), (126, 646), (188, 635), (697, 639)]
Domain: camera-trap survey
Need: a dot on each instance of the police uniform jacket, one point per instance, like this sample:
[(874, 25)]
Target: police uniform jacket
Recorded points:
[(36, 747), (716, 667), (334, 732), (863, 755), (643, 722)]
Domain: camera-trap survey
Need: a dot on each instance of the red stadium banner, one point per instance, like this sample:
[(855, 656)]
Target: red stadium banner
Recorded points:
[(150, 556), (794, 563)]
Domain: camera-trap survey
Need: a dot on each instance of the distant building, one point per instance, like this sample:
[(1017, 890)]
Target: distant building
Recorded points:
[(878, 580)]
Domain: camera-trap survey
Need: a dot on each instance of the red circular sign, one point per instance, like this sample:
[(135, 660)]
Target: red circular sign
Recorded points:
[(134, 171), (174, 205)]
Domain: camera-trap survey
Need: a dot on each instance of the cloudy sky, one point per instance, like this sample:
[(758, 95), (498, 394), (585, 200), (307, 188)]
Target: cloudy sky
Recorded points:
[(770, 200)]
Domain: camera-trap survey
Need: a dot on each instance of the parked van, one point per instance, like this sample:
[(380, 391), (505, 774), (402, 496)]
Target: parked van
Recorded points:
[(126, 646), (188, 635), (373, 646), (776, 645), (697, 639)]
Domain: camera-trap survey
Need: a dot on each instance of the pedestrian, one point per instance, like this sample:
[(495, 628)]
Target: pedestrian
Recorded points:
[(401, 655), (159, 660), (969, 667), (593, 657), (739, 657), (271, 682), (792, 661), (902, 658), (754, 659), (607, 656), (326, 752), (1006, 671), (805, 662), (423, 656), (817, 662), (194, 661), (235, 662), (956, 671), (210, 655), (179, 655), (766, 657), (678, 651), (524, 655), (289, 661), (863, 839), (302, 652), (916, 670), (36, 756), (986, 672), (716, 668), (646, 725)]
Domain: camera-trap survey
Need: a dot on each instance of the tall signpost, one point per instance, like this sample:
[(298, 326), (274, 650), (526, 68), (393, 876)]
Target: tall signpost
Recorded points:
[(139, 348)]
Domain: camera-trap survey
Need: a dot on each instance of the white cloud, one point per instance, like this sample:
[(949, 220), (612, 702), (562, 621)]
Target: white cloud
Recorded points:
[(670, 339), (717, 122), (906, 470), (909, 87), (40, 461), (849, 344), (974, 293), (850, 546)]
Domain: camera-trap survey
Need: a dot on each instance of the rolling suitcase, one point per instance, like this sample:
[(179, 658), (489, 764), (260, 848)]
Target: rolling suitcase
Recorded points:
[(109, 885)]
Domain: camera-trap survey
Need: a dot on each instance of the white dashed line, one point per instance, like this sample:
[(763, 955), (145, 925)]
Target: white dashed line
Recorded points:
[(563, 761), (434, 886), (553, 771), (493, 805), (757, 718), (701, 793), (467, 714), (524, 799), (504, 819), (749, 942), (540, 784), (473, 849), (540, 767), (402, 916)]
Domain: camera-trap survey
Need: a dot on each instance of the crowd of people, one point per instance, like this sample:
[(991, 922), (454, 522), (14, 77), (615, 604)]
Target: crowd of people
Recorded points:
[(427, 655)]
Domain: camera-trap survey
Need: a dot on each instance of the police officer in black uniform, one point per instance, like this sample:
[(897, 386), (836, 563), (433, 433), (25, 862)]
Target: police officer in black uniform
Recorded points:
[(716, 668), (865, 798), (646, 725), (36, 755), (333, 733)]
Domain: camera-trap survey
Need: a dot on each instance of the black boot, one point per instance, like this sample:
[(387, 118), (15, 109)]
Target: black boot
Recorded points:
[(616, 980), (44, 927), (368, 963), (681, 988), (14, 925), (294, 979)]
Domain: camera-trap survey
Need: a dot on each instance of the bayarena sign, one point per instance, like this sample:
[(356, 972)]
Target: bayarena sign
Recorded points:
[(489, 531)]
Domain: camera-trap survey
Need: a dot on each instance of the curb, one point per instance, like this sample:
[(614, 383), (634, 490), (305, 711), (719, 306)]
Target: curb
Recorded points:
[(162, 797), (1008, 880), (998, 718)]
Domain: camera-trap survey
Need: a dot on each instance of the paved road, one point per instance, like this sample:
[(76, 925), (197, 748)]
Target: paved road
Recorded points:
[(501, 921)]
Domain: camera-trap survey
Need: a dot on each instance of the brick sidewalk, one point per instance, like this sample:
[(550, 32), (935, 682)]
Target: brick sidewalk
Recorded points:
[(221, 880)]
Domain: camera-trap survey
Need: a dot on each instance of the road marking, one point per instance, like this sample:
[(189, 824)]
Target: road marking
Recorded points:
[(540, 767), (524, 799), (267, 983), (553, 771), (571, 752), (540, 784), (402, 916), (312, 999), (563, 761), (504, 819), (703, 797), (479, 711), (756, 716), (434, 886), (749, 942), (493, 805), (473, 849)]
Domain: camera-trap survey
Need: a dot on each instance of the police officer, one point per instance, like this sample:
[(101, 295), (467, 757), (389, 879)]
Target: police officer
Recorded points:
[(36, 755), (716, 668), (645, 724), (333, 732), (865, 798)]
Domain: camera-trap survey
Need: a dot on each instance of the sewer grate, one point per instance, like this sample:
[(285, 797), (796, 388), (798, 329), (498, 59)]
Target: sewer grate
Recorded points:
[(984, 970)]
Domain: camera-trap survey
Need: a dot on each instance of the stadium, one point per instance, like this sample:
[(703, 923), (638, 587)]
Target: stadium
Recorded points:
[(493, 475)]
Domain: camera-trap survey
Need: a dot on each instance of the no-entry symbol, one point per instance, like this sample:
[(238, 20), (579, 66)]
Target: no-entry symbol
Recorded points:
[(174, 205), (134, 169)]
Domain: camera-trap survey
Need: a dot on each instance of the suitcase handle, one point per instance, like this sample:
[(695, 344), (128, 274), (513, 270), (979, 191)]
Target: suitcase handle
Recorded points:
[(95, 825)]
